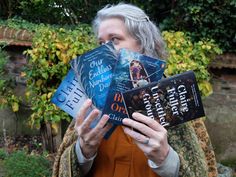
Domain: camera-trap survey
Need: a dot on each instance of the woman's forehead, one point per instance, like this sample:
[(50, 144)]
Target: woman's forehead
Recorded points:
[(111, 26)]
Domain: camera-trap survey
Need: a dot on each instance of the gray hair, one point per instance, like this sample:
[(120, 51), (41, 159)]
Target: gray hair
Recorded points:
[(138, 25)]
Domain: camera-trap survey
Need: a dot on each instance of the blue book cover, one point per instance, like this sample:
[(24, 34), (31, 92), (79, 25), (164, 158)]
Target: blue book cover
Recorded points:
[(131, 71), (89, 77), (95, 70), (70, 94)]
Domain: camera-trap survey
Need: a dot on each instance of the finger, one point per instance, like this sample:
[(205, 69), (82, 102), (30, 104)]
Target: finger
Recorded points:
[(102, 122), (83, 111), (140, 138), (101, 128), (95, 136), (86, 125), (148, 121), (144, 129)]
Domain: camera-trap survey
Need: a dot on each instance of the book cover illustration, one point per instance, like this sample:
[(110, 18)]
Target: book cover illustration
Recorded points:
[(95, 70), (132, 70), (170, 101), (96, 67)]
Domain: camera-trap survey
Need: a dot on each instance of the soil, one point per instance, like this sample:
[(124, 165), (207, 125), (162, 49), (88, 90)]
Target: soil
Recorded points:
[(27, 143)]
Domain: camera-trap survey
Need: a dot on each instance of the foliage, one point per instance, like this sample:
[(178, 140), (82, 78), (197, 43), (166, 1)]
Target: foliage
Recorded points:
[(54, 47), (229, 163), (7, 84), (73, 11), (185, 55), (212, 19), (20, 164), (52, 50), (17, 23), (3, 154)]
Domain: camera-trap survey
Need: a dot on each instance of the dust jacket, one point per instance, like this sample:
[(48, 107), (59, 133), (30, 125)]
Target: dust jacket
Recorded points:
[(131, 71), (89, 77), (95, 70), (170, 101)]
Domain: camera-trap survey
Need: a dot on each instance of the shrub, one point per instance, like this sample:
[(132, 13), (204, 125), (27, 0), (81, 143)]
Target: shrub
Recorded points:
[(185, 55), (3, 154), (54, 47), (212, 19), (19, 164), (52, 50)]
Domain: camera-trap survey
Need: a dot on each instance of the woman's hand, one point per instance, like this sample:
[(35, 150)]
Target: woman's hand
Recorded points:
[(90, 138), (152, 139)]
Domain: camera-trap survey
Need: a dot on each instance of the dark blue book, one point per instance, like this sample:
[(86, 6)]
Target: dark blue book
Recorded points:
[(95, 70), (170, 101), (132, 70)]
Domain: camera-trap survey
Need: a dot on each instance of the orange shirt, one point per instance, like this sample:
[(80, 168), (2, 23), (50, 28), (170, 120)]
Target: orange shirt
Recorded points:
[(120, 157)]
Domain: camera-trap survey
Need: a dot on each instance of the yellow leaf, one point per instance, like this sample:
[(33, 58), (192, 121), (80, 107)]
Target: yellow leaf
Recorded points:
[(22, 74), (39, 82), (170, 69), (60, 46), (49, 95), (206, 88), (55, 128), (27, 94), (15, 106)]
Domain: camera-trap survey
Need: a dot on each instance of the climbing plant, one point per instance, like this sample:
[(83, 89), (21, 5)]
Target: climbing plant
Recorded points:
[(54, 47), (52, 50), (185, 55), (7, 85)]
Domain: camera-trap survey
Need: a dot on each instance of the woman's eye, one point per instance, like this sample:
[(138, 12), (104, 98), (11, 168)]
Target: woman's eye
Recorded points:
[(101, 42), (115, 40)]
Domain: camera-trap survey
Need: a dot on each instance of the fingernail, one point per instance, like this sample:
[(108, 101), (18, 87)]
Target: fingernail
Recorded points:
[(125, 120), (106, 116), (134, 115)]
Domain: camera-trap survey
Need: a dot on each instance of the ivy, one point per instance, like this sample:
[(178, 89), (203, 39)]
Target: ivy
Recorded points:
[(7, 85), (52, 50)]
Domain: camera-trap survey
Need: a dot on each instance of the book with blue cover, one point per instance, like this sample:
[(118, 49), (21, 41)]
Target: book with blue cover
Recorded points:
[(70, 94), (101, 75), (89, 77), (170, 101), (132, 70)]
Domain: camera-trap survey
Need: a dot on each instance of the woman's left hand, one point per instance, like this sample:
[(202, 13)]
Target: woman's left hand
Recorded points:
[(152, 139)]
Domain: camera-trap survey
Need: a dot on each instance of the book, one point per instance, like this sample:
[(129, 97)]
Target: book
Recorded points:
[(95, 70), (89, 77), (170, 101), (132, 70)]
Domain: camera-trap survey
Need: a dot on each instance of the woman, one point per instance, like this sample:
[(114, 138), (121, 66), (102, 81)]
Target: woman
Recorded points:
[(150, 153)]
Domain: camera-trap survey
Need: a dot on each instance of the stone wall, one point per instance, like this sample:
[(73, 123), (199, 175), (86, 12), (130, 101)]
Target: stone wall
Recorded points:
[(16, 123), (220, 109)]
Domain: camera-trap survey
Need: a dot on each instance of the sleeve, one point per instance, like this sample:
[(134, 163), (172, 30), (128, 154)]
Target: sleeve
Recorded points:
[(170, 166), (84, 163), (66, 161), (184, 141)]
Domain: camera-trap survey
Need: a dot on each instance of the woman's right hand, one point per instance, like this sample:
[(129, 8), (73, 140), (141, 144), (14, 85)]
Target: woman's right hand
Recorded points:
[(90, 138)]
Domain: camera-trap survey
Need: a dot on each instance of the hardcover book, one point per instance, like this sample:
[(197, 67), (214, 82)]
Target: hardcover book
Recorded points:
[(170, 101), (132, 70)]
